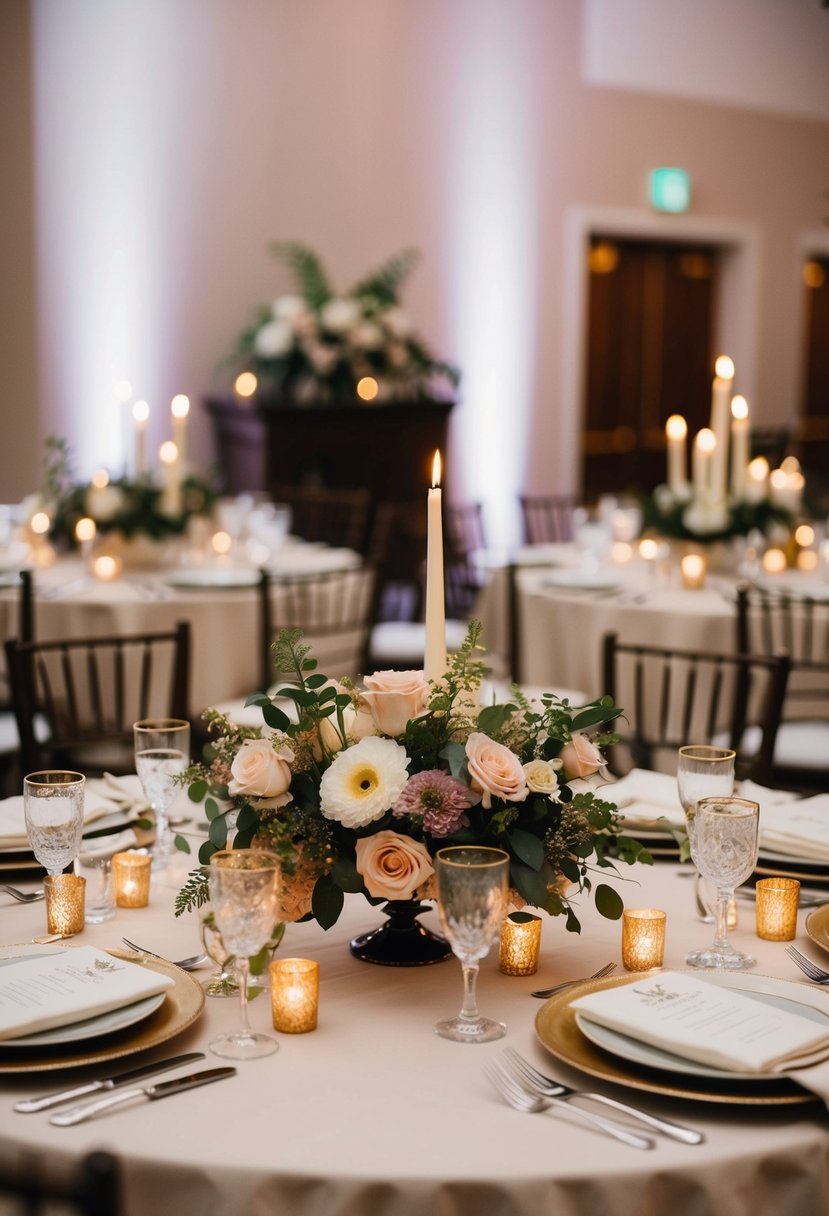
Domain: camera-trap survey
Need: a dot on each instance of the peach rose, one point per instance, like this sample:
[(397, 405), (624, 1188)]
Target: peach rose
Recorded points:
[(392, 866), (395, 697), (580, 757), (358, 723), (494, 770), (260, 770)]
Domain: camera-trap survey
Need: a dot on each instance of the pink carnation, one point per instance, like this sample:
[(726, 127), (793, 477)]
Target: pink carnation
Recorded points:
[(438, 799)]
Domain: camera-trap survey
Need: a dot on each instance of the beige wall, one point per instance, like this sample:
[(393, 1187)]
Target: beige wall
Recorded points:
[(19, 445), (176, 138)]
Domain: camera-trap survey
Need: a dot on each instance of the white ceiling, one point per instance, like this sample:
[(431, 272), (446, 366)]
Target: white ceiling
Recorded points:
[(770, 55)]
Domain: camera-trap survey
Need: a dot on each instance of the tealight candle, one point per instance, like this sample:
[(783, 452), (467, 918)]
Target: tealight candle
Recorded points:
[(777, 900), (643, 938), (295, 986), (107, 568), (694, 568), (131, 872), (520, 943), (65, 894)]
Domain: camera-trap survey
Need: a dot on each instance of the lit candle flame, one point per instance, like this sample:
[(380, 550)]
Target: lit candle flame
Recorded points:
[(724, 367), (141, 412), (436, 469), (180, 406), (706, 439), (676, 427), (739, 407)]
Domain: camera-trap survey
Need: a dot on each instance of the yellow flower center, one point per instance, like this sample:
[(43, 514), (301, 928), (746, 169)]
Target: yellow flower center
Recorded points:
[(364, 781)]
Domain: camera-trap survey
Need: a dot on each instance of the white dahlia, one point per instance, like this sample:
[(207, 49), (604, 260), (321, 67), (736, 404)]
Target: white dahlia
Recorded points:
[(364, 781)]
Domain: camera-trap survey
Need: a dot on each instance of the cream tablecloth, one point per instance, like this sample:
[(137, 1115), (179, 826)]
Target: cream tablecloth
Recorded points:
[(374, 1115), (224, 619)]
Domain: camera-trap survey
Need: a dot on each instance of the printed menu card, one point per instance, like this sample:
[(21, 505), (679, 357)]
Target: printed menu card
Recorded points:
[(39, 992), (701, 1021)]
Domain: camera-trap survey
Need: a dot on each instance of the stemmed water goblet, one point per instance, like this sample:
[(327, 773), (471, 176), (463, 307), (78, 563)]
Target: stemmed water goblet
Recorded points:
[(726, 839), (53, 809), (703, 771), (162, 750), (244, 889), (472, 900)]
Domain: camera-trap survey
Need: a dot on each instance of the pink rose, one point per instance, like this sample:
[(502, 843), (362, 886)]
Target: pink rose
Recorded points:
[(392, 866), (495, 770), (259, 770), (394, 698), (580, 757)]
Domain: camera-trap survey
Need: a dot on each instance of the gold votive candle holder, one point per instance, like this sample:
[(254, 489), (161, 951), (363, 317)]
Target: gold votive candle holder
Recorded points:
[(643, 938), (777, 900), (131, 874), (65, 896), (693, 568), (295, 985), (520, 944)]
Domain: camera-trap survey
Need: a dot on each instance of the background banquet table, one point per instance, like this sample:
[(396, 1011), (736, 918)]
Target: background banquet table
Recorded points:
[(373, 1113), (564, 612), (220, 602)]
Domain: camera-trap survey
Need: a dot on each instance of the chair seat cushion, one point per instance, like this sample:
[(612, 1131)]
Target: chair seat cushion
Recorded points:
[(803, 745), (405, 641)]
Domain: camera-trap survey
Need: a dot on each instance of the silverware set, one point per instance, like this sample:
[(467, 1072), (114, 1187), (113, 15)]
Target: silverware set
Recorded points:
[(186, 964), (22, 897), (810, 969), (527, 1090), (543, 993)]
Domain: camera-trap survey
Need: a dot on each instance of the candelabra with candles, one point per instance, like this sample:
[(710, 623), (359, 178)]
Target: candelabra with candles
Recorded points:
[(728, 493)]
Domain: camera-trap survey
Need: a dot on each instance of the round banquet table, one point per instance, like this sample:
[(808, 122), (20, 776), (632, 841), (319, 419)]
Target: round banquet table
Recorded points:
[(374, 1114), (562, 617), (222, 606)]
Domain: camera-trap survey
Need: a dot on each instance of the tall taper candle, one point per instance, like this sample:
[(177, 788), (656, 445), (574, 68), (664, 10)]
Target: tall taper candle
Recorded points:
[(676, 431), (720, 424), (140, 414), (434, 662), (179, 409), (739, 446)]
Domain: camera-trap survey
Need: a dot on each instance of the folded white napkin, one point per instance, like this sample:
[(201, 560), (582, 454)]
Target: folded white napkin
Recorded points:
[(13, 821), (125, 792), (798, 829), (697, 1020), (644, 797), (39, 992)]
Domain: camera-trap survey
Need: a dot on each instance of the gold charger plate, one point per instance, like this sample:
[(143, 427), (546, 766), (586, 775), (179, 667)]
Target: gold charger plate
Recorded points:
[(557, 1031), (183, 1003), (817, 926)]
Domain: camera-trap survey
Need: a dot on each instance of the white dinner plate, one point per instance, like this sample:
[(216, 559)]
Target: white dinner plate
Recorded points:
[(91, 1028), (789, 995), (581, 580), (202, 576)]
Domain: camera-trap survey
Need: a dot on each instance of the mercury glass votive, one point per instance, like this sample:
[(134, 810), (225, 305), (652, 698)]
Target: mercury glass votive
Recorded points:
[(777, 900), (65, 894), (295, 984), (131, 873), (643, 938), (520, 943), (694, 568)]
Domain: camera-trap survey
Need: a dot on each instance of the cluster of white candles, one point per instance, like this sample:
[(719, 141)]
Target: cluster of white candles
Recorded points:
[(717, 480), (172, 454)]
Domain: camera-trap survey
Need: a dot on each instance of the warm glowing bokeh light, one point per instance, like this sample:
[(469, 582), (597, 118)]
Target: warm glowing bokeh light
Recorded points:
[(367, 388), (676, 427), (85, 529), (648, 549), (774, 561), (436, 469), (724, 367), (106, 567), (804, 534), (706, 440), (168, 452), (140, 412), (180, 406), (100, 479), (246, 384), (40, 523), (221, 542), (739, 408)]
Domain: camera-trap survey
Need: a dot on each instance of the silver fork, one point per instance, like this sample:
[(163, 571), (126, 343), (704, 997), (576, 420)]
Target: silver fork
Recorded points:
[(531, 1104), (22, 897), (807, 966), (546, 1087), (186, 964), (597, 975)]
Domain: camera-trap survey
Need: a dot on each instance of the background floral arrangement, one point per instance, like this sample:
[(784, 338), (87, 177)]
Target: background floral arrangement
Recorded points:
[(318, 344), (132, 507), (359, 793), (684, 519)]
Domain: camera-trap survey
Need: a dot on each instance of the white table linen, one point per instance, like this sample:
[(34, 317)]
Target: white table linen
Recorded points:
[(373, 1113)]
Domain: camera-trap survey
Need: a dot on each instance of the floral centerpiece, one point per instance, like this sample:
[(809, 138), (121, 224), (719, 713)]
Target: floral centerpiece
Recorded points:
[(685, 516), (131, 507), (318, 344), (359, 788)]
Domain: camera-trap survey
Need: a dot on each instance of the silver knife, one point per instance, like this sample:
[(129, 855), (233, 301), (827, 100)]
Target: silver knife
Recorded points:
[(30, 1105), (164, 1089)]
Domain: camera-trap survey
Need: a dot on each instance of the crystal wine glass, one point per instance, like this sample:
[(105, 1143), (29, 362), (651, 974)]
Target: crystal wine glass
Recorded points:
[(472, 901), (162, 750), (223, 981), (726, 832), (53, 809), (244, 888), (703, 771)]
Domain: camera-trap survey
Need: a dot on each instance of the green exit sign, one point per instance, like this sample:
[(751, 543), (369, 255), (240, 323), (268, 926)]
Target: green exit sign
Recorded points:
[(670, 190)]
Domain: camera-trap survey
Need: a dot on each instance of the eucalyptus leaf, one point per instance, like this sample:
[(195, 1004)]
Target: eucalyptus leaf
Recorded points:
[(326, 902), (608, 902), (527, 847)]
